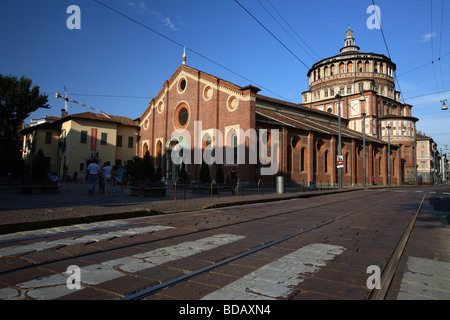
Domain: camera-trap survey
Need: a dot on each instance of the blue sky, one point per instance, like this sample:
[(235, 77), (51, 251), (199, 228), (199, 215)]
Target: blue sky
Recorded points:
[(117, 65)]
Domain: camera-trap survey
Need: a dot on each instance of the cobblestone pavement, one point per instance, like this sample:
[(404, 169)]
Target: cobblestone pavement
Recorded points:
[(73, 204)]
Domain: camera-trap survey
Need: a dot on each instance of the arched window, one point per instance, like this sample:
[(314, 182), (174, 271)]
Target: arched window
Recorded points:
[(350, 67), (302, 160)]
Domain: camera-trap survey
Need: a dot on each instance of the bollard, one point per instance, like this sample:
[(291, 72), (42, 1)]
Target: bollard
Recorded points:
[(280, 184)]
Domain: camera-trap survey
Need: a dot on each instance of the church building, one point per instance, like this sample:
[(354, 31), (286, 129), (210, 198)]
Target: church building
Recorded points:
[(302, 138)]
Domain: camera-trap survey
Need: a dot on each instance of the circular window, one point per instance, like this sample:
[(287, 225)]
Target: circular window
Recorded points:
[(160, 107), (146, 124), (181, 116), (182, 84), (207, 93), (232, 103)]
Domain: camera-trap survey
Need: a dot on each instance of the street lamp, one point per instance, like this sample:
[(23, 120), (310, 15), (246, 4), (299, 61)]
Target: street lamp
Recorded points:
[(339, 97), (389, 154), (444, 107), (362, 99)]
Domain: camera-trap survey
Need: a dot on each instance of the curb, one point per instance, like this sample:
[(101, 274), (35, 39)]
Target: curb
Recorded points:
[(26, 226)]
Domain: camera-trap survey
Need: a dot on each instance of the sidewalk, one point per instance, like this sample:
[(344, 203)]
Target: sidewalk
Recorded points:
[(19, 212)]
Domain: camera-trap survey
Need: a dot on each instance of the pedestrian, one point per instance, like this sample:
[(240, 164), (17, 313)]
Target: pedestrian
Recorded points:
[(373, 181), (119, 177), (233, 180), (107, 170), (93, 171)]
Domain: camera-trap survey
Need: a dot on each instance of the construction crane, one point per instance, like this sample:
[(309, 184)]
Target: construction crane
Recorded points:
[(66, 109)]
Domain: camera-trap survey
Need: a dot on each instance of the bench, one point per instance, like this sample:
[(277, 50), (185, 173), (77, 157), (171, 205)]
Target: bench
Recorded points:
[(39, 188), (149, 191)]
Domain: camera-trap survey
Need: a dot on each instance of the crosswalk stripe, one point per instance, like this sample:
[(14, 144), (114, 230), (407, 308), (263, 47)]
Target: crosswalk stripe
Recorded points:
[(425, 279), (42, 245), (54, 286), (278, 278)]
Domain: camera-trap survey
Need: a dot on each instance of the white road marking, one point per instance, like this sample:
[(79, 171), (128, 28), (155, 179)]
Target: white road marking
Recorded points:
[(12, 250), (278, 278), (56, 230), (54, 286), (425, 279)]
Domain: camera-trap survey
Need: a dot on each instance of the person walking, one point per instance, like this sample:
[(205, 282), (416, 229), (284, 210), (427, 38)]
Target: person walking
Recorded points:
[(233, 180), (93, 171), (107, 170)]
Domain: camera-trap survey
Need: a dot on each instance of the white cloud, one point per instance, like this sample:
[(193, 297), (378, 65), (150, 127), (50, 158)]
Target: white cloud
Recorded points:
[(137, 5), (165, 20), (427, 36), (169, 24)]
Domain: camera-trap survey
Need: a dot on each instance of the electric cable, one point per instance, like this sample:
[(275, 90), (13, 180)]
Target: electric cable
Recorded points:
[(183, 46), (262, 25)]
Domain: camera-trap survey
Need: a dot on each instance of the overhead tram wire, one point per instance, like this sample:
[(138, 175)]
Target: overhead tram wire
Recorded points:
[(190, 49), (271, 34), (424, 65), (318, 56), (387, 48), (286, 31), (440, 47), (431, 41)]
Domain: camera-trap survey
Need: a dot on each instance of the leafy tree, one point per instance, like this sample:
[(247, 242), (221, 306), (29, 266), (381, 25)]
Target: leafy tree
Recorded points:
[(182, 172), (134, 168), (158, 173), (204, 173), (17, 101), (148, 168), (219, 174), (39, 170)]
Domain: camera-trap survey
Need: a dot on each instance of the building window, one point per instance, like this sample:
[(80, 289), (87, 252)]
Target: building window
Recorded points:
[(422, 164), (422, 144), (130, 142), (119, 141), (422, 154), (181, 116), (104, 138), (302, 160), (48, 137), (83, 137)]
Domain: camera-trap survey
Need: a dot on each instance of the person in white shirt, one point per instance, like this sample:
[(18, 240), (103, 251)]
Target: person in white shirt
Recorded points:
[(93, 171), (107, 170)]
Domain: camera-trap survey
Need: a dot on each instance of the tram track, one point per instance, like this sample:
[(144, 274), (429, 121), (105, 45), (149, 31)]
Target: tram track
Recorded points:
[(157, 288), (179, 235), (151, 290)]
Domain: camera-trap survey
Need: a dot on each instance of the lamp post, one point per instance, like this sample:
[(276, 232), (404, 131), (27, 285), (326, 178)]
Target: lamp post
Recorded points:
[(389, 154), (362, 99), (339, 97)]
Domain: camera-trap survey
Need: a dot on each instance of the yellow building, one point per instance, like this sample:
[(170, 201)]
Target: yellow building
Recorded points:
[(71, 142)]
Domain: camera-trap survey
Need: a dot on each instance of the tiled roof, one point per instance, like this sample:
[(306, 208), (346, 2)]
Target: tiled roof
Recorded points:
[(330, 128), (100, 117)]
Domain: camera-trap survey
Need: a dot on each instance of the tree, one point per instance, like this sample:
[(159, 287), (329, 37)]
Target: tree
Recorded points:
[(39, 170), (17, 101), (148, 168), (219, 174), (204, 173)]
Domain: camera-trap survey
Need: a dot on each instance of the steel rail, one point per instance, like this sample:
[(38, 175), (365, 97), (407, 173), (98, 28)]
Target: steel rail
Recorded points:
[(152, 290), (394, 259), (185, 234)]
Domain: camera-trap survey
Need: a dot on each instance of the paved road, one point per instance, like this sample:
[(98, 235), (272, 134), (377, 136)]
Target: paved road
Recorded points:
[(312, 248)]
